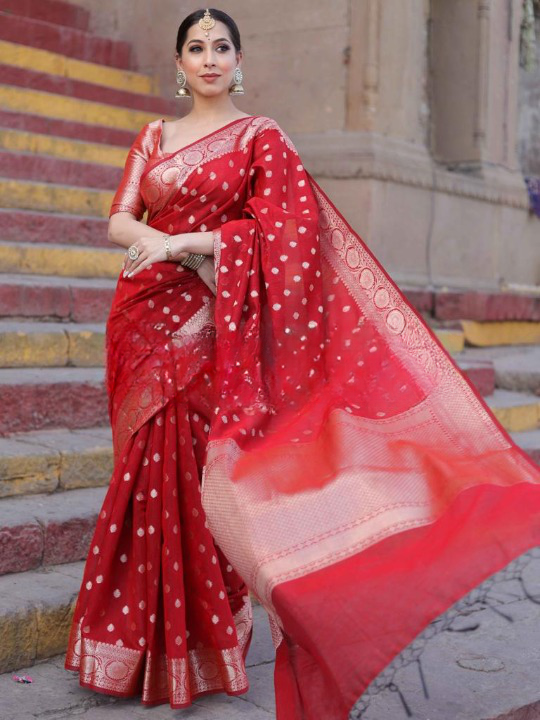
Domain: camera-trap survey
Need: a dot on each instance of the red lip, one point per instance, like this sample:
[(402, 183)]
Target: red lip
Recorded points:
[(210, 75)]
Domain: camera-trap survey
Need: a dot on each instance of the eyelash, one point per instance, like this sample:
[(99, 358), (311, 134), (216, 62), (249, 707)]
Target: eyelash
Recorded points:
[(197, 47)]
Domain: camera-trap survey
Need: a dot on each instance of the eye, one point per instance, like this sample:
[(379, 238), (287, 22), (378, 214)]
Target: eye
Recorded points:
[(224, 47)]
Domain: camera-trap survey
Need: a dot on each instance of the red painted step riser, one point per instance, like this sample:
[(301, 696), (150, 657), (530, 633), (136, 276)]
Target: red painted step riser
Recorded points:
[(64, 304), (66, 41), (26, 547), (66, 129), (486, 306), (52, 11), (27, 226), (40, 168), (483, 379), (32, 80), (421, 299), (55, 405)]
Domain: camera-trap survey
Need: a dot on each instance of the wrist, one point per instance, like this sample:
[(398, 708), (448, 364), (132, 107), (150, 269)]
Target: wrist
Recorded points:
[(178, 247)]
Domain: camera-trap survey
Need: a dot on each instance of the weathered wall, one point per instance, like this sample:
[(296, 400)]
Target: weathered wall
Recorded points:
[(529, 116)]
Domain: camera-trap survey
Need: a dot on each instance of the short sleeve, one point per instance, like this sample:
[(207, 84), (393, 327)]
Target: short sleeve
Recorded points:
[(128, 196)]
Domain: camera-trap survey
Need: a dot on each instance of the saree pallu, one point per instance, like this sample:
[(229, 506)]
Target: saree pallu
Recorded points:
[(352, 477)]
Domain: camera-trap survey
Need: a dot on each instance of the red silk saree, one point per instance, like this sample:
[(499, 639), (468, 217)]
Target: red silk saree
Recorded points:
[(352, 478)]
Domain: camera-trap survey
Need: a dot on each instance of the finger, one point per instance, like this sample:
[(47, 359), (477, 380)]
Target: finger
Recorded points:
[(129, 262), (135, 264), (141, 266)]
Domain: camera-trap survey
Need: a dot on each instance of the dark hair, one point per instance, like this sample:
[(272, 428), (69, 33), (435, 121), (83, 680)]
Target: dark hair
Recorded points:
[(194, 17)]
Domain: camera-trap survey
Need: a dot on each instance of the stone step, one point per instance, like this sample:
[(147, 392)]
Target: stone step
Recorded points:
[(530, 442), (488, 334), (51, 11), (483, 306), (516, 367), (52, 398), (38, 344), (79, 300), (35, 613), (519, 371), (51, 63), (24, 258), (17, 141), (481, 374), (46, 169), (61, 107), (21, 77), (45, 530), (515, 411), (45, 227), (71, 128), (48, 461), (28, 195), (68, 41)]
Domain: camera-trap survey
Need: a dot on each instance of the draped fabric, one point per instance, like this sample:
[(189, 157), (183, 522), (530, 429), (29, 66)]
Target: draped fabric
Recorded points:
[(351, 475)]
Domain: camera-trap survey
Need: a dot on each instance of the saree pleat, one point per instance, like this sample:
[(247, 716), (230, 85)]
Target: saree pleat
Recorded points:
[(352, 477)]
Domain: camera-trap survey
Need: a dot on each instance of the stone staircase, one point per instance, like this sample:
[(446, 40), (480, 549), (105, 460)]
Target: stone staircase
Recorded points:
[(70, 105)]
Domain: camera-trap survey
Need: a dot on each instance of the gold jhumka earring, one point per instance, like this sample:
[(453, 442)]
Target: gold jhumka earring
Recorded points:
[(237, 88), (183, 91)]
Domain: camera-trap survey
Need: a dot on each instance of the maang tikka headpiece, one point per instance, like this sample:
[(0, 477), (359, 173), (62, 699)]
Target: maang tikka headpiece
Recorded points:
[(206, 22)]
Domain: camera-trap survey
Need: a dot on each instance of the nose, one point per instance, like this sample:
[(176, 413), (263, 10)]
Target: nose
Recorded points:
[(209, 58)]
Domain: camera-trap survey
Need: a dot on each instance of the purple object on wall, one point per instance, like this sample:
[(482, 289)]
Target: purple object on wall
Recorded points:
[(533, 186)]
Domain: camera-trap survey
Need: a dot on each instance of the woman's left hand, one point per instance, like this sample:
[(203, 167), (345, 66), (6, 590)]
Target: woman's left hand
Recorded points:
[(151, 250)]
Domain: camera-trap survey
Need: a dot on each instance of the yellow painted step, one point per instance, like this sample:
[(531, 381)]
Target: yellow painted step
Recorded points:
[(484, 334), (52, 63), (45, 461), (25, 195), (517, 412), (60, 260), (21, 141), (49, 105), (452, 340), (31, 344)]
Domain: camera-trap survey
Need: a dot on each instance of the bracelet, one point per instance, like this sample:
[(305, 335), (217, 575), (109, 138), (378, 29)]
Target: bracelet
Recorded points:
[(193, 261), (167, 241)]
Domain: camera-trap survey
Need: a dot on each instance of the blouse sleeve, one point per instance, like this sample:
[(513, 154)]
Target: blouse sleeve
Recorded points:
[(128, 195)]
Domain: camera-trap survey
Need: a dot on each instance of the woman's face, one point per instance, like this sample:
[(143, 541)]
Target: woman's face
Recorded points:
[(205, 56)]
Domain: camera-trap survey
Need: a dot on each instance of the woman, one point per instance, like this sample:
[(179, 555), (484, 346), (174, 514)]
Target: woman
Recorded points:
[(342, 454)]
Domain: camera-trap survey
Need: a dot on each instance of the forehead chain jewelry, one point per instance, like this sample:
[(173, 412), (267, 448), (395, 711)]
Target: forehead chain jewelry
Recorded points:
[(206, 22)]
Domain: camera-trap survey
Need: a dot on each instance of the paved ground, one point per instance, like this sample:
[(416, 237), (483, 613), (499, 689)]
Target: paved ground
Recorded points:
[(56, 695)]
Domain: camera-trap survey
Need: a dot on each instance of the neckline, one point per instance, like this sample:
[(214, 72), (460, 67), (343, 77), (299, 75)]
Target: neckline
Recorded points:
[(214, 132)]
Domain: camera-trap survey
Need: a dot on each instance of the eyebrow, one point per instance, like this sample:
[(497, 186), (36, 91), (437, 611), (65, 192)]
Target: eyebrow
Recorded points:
[(217, 40)]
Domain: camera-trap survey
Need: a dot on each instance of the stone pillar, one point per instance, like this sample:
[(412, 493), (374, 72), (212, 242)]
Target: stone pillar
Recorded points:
[(474, 47)]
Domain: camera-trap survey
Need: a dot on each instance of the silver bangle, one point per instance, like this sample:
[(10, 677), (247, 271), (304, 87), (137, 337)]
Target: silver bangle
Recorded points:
[(193, 261)]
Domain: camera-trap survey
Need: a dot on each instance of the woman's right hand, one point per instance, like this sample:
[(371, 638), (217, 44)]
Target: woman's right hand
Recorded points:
[(207, 273)]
